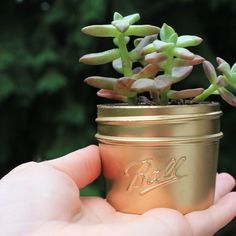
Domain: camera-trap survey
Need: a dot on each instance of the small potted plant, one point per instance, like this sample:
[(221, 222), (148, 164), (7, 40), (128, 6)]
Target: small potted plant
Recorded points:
[(159, 146)]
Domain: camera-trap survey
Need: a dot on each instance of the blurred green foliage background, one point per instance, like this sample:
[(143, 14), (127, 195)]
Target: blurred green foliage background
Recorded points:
[(45, 108)]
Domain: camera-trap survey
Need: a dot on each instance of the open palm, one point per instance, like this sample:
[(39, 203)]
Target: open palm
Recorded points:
[(43, 199)]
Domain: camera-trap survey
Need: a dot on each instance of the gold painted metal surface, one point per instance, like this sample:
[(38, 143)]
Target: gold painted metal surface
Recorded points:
[(159, 156)]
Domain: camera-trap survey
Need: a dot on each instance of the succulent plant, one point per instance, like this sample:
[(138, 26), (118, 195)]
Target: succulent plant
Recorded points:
[(158, 60)]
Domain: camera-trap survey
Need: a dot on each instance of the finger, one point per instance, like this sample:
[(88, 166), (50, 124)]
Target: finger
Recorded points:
[(209, 221), (82, 166), (224, 184)]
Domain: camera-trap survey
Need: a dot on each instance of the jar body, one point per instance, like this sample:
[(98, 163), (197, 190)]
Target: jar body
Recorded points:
[(159, 156)]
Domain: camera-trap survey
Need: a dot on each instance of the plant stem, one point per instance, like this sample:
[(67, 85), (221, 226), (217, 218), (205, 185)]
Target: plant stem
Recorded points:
[(167, 71), (132, 100), (164, 98), (127, 70), (207, 92), (126, 63), (169, 64)]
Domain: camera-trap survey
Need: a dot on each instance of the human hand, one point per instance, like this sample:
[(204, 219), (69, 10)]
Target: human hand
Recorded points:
[(42, 199)]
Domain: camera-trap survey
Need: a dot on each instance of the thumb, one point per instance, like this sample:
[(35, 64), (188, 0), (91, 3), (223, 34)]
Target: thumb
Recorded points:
[(82, 166)]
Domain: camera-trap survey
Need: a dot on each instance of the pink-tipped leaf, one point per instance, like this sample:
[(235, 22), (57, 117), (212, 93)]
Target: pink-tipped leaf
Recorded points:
[(110, 94), (210, 71)]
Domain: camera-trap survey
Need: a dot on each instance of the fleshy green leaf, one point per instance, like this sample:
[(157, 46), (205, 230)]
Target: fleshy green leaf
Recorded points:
[(101, 31), (155, 57), (145, 41), (143, 85), (220, 81), (101, 82), (148, 49), (136, 53), (163, 83), (233, 69), (183, 53), (132, 18), (137, 41), (142, 30), (182, 62), (183, 94), (162, 46), (233, 73), (121, 25), (101, 57), (219, 60), (117, 16), (188, 41), (224, 68), (123, 87), (173, 38), (166, 32), (138, 69), (209, 71), (148, 71), (110, 94), (227, 96), (117, 65), (180, 73)]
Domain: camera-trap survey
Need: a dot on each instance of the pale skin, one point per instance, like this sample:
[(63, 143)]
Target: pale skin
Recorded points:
[(42, 199)]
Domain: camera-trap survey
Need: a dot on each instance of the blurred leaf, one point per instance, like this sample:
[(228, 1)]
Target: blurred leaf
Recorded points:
[(43, 58), (7, 86), (51, 82), (6, 59), (55, 14), (73, 114), (91, 10)]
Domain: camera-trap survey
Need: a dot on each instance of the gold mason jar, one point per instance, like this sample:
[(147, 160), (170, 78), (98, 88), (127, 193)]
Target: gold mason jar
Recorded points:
[(159, 156)]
